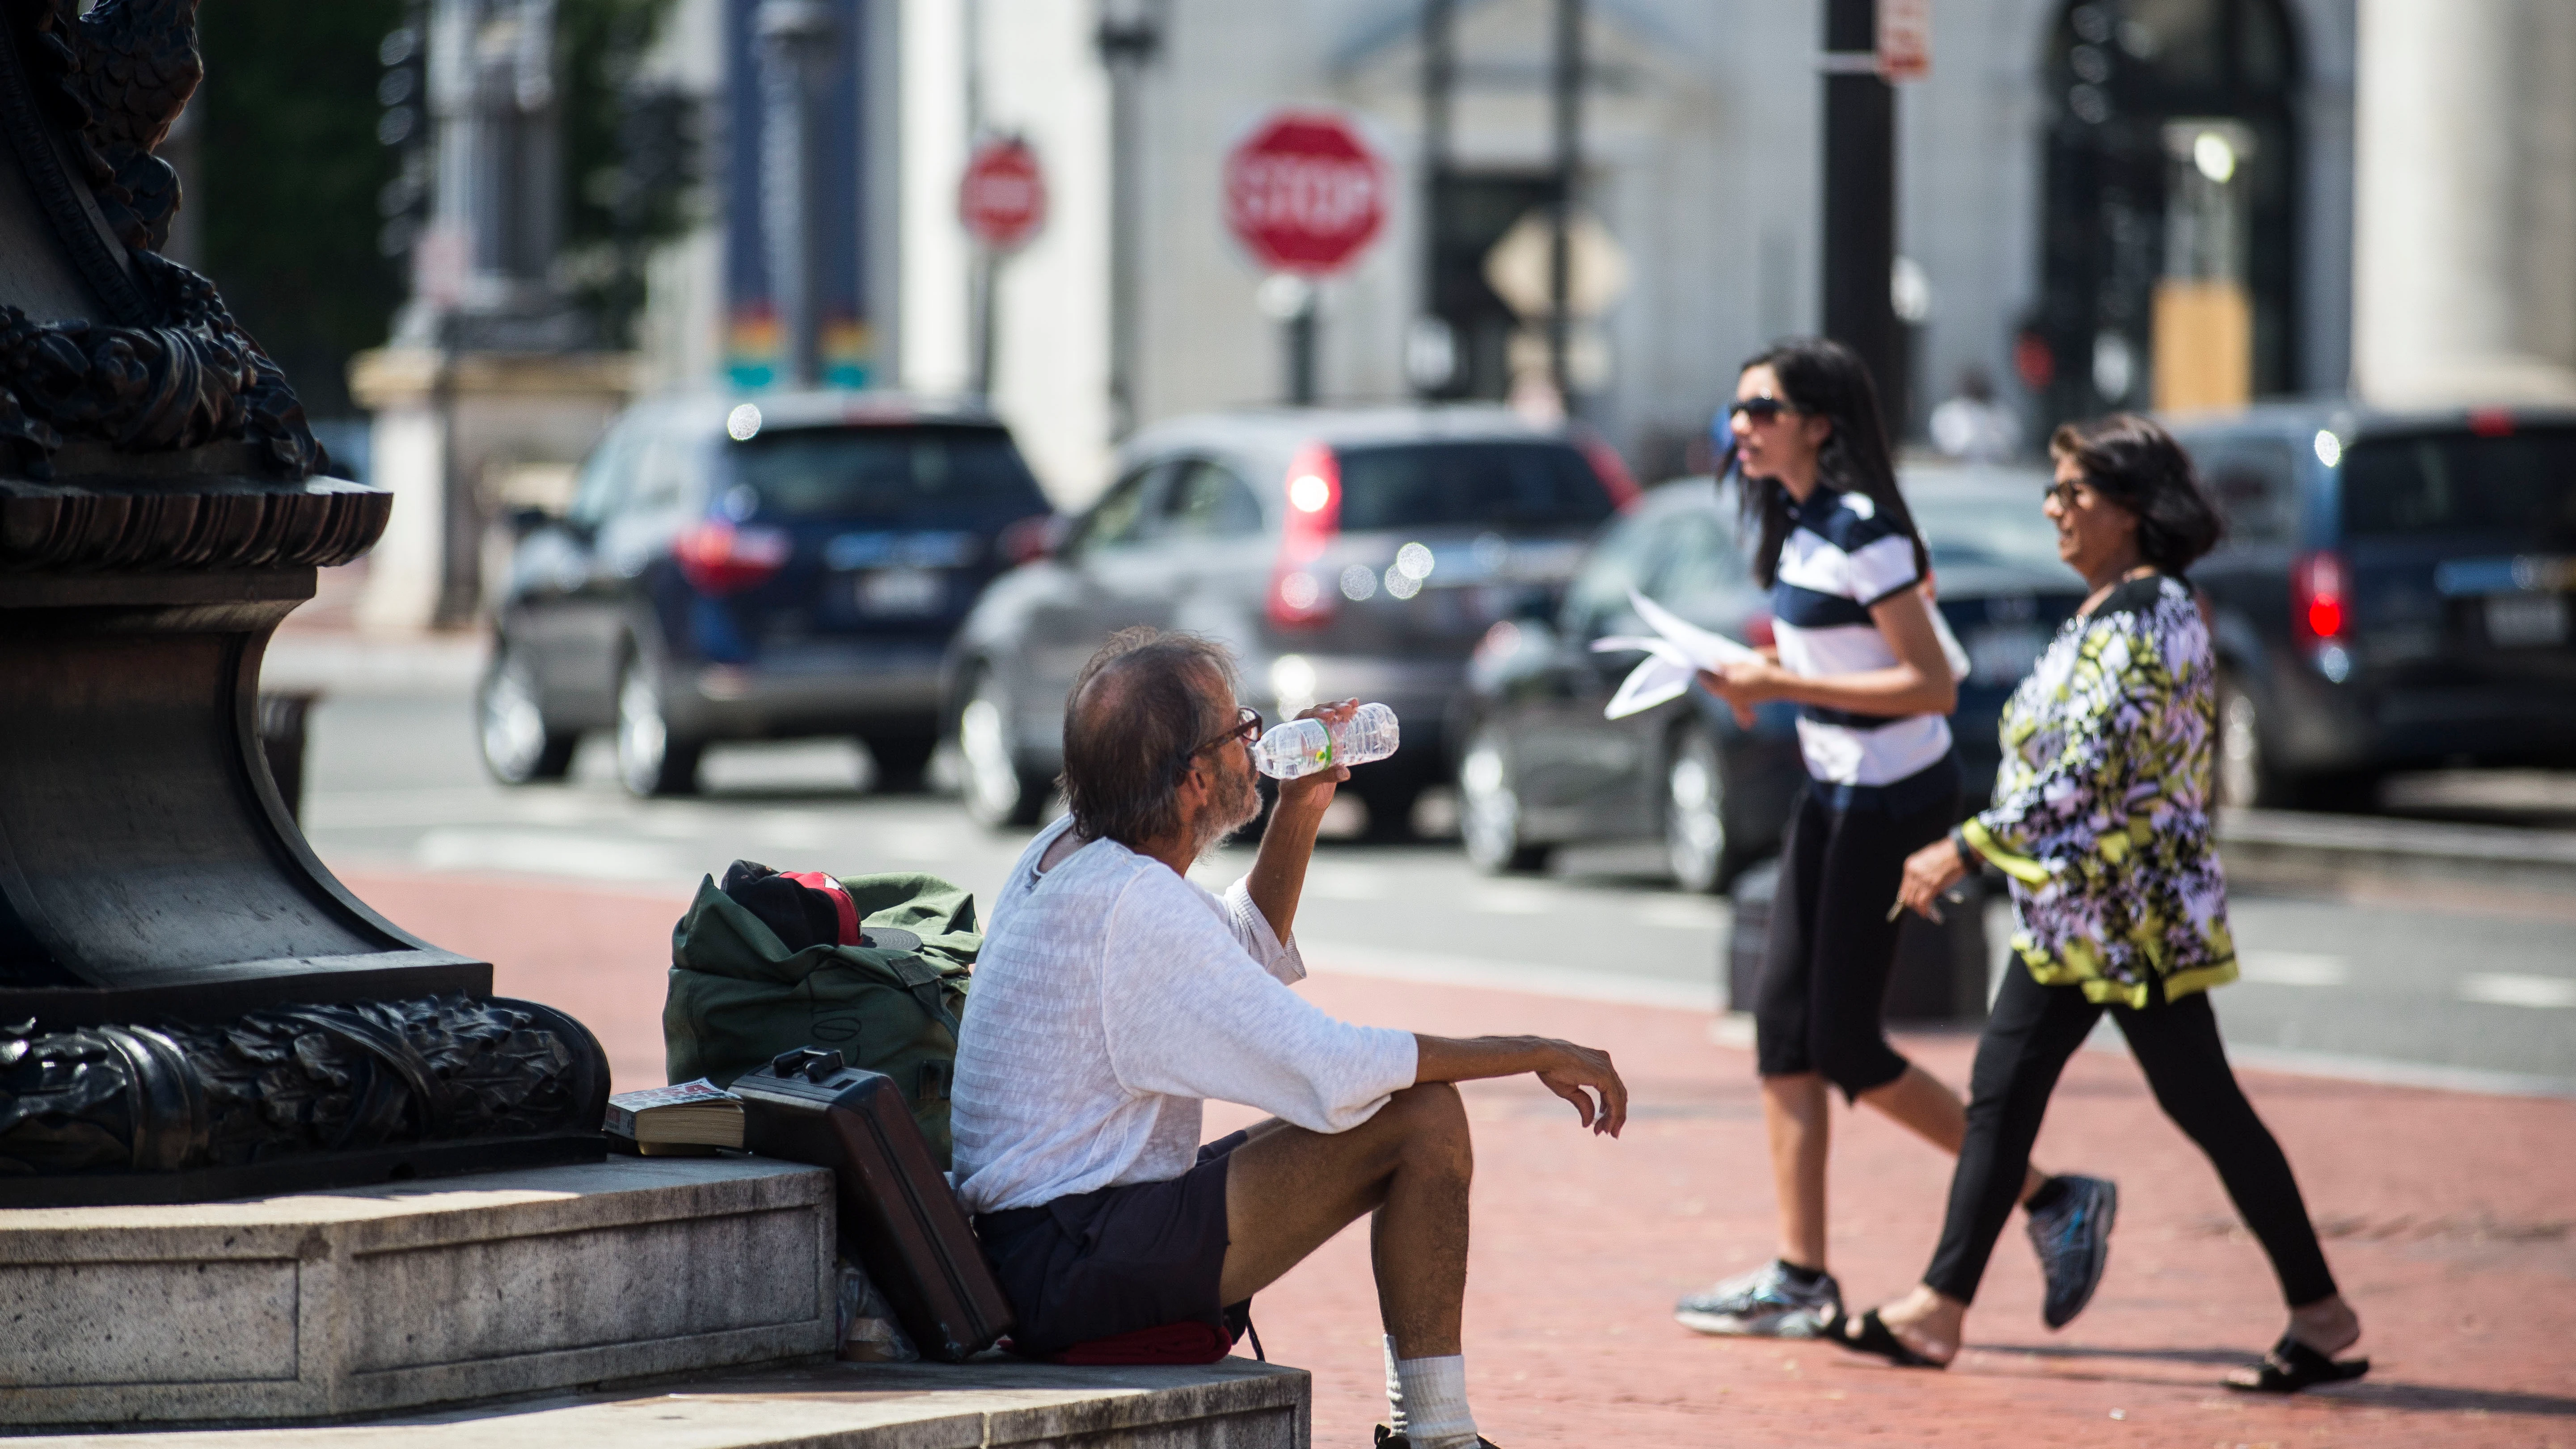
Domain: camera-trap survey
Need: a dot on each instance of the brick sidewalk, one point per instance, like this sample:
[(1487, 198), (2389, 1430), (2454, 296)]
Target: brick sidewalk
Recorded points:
[(2446, 1216)]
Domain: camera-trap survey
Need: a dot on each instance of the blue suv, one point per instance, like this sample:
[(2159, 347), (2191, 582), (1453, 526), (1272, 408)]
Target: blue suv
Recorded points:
[(791, 565), (2392, 593)]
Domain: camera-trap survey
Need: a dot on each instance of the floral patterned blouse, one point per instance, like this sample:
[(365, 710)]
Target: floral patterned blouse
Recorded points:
[(2101, 813)]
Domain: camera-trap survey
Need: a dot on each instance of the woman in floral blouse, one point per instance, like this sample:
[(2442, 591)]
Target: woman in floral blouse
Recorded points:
[(2101, 819)]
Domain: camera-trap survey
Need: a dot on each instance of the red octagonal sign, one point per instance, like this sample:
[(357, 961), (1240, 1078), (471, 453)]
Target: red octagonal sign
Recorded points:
[(1304, 193), (1002, 199)]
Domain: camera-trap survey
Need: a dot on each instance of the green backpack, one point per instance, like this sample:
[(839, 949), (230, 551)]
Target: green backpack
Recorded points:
[(739, 997)]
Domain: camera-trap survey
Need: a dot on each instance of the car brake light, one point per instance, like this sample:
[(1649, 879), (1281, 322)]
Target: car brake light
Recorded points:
[(1299, 596), (1758, 631), (1609, 467), (2491, 422), (2317, 597), (718, 557)]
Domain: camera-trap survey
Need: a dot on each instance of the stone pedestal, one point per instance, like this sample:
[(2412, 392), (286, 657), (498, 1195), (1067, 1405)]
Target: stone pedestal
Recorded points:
[(452, 430), (383, 1298)]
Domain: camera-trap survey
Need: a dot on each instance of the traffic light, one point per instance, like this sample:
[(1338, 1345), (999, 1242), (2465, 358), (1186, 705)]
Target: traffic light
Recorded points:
[(403, 127)]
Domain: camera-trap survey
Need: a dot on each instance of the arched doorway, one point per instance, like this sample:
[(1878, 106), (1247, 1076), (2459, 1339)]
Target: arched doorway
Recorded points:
[(2170, 213)]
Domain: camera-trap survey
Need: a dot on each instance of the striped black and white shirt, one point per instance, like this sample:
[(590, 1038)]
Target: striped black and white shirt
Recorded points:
[(1839, 559)]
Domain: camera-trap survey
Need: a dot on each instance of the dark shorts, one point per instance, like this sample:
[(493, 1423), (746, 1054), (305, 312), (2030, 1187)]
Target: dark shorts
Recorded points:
[(1098, 1264), (1823, 997)]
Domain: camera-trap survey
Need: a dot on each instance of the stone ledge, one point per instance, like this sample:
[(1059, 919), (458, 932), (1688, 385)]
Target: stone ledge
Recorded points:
[(333, 1303), (989, 1404)]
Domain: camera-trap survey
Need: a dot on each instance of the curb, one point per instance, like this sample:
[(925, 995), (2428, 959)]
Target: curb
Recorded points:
[(2297, 848)]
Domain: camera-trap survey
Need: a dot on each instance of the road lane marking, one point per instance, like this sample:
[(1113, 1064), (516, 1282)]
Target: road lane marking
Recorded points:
[(2502, 989), (2293, 968)]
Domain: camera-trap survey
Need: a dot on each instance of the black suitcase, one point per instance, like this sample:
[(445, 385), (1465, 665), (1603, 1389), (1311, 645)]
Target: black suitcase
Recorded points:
[(898, 1220)]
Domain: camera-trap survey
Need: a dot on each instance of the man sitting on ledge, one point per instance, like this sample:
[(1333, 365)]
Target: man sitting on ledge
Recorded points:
[(1113, 994)]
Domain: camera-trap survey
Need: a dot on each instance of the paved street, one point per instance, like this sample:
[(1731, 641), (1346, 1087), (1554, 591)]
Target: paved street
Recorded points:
[(2426, 984)]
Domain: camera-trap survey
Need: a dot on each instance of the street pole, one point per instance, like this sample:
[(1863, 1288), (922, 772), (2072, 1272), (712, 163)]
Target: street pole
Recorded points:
[(1439, 84), (794, 35), (987, 265), (1860, 202), (1130, 33), (1569, 155)]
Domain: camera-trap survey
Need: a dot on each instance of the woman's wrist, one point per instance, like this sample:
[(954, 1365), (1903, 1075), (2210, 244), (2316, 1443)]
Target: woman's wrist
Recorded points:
[(1969, 860)]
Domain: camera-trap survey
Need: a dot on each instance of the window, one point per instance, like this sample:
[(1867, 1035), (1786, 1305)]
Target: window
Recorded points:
[(1120, 517), (1700, 558), (913, 476), (605, 476), (1505, 487), (1617, 564), (2518, 490), (662, 475), (1209, 501), (2256, 485)]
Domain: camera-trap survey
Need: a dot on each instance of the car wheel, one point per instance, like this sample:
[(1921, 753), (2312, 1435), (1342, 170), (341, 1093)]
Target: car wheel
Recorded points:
[(1695, 813), (519, 747), (998, 790), (902, 760), (2244, 780), (651, 759), (1489, 809)]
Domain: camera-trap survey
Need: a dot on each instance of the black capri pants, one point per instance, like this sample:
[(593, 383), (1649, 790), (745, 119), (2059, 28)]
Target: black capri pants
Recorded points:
[(2029, 1036), (1823, 998)]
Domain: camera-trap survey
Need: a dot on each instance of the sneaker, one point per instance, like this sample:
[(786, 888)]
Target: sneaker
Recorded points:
[(2073, 1236), (1763, 1304), (1389, 1439)]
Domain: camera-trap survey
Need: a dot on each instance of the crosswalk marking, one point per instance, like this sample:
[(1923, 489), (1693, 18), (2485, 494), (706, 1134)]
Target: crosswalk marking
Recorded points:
[(2500, 989)]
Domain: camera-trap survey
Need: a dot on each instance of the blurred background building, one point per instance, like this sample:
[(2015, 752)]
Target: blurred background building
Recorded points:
[(2176, 203)]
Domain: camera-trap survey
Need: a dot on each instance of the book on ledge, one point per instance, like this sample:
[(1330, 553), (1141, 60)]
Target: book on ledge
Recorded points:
[(688, 1119)]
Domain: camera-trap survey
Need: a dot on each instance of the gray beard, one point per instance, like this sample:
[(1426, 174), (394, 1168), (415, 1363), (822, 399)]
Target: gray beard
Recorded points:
[(1218, 826)]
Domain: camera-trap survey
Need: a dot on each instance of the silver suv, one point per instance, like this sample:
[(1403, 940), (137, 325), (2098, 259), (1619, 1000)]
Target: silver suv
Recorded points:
[(1339, 553)]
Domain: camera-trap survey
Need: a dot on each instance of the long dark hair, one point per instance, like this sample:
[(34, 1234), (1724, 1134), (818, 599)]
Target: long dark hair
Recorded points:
[(2135, 463), (1822, 378)]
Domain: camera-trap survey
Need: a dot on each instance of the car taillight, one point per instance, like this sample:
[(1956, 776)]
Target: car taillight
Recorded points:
[(1758, 631), (718, 557), (1609, 467), (1300, 595), (2317, 598)]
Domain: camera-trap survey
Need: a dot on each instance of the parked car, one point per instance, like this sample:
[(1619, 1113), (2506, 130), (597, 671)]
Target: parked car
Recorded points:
[(730, 570), (1541, 768), (2392, 593), (1341, 554)]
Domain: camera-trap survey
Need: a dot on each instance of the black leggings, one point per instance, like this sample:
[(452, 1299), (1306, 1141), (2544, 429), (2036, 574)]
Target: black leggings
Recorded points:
[(1823, 999), (2031, 1033)]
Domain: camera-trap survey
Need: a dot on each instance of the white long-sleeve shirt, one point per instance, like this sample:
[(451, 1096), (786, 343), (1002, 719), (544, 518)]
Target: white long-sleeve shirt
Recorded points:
[(1111, 998)]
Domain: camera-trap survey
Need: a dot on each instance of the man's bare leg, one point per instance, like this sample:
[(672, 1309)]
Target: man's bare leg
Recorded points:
[(1288, 1191)]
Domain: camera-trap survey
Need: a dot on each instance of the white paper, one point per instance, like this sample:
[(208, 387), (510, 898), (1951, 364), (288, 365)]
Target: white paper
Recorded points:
[(1674, 656), (1702, 647)]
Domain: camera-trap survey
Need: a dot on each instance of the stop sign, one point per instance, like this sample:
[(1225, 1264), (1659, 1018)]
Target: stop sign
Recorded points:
[(1002, 199), (1304, 192)]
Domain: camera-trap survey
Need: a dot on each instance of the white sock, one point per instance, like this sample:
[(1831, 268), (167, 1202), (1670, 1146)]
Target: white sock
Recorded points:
[(1427, 1400)]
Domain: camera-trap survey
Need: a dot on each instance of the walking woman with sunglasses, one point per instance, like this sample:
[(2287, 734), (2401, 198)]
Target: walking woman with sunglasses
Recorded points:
[(2101, 819), (1859, 654)]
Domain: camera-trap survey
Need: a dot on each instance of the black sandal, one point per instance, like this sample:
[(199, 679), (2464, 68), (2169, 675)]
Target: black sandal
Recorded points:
[(1877, 1338), (2292, 1366)]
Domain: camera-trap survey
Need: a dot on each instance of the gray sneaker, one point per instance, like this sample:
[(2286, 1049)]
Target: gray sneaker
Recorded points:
[(2073, 1237), (1763, 1304)]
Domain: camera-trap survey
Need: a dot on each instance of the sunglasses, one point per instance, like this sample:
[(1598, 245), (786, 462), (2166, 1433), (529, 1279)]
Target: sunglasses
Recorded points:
[(2068, 495), (1247, 728), (1759, 409)]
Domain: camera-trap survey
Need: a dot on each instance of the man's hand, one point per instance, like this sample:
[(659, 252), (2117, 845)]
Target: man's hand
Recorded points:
[(1581, 1067), (1576, 1073), (1309, 794)]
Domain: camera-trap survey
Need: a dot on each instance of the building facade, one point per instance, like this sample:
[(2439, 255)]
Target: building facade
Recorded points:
[(2101, 203)]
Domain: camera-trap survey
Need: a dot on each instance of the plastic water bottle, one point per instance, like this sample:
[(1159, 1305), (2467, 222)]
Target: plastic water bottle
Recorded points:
[(1304, 746)]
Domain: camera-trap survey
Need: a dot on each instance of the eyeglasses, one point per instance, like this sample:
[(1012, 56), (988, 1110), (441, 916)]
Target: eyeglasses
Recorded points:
[(1759, 409), (2070, 494), (1247, 728)]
